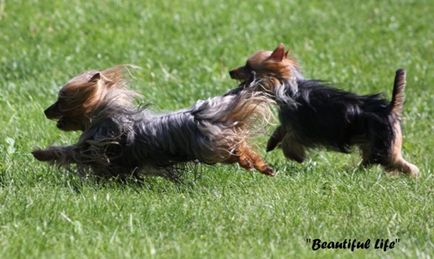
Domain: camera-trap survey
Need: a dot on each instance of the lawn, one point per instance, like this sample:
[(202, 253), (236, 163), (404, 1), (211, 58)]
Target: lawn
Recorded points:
[(185, 49)]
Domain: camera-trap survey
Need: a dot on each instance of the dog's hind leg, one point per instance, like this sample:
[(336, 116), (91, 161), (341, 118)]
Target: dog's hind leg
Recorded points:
[(248, 159), (388, 155), (260, 164), (396, 161)]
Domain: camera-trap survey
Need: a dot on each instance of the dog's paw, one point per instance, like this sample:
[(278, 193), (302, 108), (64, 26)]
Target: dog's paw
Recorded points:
[(413, 170), (42, 155), (268, 170)]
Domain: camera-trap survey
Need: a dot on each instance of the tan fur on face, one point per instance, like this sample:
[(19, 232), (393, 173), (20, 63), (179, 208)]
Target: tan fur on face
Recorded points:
[(82, 95), (275, 63), (264, 65)]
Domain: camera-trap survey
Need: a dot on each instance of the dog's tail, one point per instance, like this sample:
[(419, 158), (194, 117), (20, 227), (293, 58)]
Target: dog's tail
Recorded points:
[(397, 102)]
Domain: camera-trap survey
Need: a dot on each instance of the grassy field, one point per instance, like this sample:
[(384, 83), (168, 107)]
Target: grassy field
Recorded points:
[(186, 49)]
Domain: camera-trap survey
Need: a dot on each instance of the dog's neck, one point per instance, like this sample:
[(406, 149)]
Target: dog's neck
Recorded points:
[(114, 102), (276, 86), (286, 78), (282, 90)]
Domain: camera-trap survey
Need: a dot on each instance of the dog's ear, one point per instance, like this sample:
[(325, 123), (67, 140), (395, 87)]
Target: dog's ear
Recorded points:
[(279, 53), (99, 76), (95, 77), (286, 53)]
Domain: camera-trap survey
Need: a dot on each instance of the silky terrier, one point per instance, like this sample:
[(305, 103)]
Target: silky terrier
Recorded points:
[(120, 139), (315, 114)]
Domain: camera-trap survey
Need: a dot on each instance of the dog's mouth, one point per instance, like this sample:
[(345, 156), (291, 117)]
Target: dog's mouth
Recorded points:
[(243, 74), (60, 122), (66, 124), (70, 123), (250, 80)]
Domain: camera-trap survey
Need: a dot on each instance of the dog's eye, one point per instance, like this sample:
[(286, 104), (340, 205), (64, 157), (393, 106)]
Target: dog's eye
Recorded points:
[(248, 67)]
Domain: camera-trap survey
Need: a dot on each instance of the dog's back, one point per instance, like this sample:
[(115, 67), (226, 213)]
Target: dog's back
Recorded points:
[(329, 117), (207, 131)]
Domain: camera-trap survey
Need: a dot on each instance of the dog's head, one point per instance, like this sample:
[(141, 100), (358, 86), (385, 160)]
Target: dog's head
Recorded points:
[(79, 97), (264, 63)]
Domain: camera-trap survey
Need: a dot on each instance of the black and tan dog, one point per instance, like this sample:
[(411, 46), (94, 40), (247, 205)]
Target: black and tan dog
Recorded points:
[(120, 139), (314, 114)]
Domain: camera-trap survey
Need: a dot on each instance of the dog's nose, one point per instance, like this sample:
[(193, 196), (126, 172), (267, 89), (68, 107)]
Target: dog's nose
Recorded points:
[(232, 73), (52, 112), (47, 113)]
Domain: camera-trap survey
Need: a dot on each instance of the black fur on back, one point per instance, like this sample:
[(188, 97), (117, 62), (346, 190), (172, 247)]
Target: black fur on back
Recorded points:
[(336, 119)]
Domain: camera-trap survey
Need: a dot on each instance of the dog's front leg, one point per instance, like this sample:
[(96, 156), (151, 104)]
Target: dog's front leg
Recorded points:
[(57, 154), (276, 138)]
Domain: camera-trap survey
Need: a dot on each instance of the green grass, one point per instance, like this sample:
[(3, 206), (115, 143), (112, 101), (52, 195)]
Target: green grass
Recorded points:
[(185, 49)]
